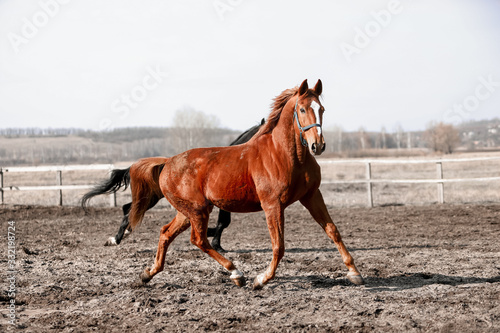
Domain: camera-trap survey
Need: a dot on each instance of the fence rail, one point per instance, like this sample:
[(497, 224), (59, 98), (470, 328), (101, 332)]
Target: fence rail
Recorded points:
[(58, 186), (439, 180)]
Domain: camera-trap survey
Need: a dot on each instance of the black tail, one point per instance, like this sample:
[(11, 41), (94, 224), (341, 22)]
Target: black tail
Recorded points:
[(119, 178)]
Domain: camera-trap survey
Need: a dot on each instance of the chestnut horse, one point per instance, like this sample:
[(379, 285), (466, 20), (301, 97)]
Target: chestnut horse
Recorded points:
[(270, 172), (121, 178)]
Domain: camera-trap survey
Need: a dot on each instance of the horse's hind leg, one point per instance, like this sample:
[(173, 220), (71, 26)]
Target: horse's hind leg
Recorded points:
[(222, 223), (124, 231), (167, 235), (199, 225), (112, 241)]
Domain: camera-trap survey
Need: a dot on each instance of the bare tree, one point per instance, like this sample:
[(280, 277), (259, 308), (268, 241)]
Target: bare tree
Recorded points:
[(364, 140), (336, 145), (442, 137), (399, 132), (193, 129), (382, 139)]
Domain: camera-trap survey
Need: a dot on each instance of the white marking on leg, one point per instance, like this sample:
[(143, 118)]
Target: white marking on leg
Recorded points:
[(260, 279), (315, 106), (111, 241), (236, 274)]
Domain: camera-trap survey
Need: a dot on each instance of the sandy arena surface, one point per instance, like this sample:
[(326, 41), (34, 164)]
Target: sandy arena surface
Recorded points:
[(430, 268)]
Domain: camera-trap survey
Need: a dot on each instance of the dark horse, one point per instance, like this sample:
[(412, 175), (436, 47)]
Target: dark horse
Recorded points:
[(122, 178), (270, 172)]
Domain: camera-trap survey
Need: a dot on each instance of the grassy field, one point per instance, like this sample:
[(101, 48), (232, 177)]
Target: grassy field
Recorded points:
[(336, 195)]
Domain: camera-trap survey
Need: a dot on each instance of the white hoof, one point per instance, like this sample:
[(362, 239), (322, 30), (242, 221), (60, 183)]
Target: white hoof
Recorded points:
[(236, 274), (238, 278), (110, 242), (258, 283)]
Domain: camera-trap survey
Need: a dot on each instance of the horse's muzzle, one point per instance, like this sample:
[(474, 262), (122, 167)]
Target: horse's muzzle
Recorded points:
[(318, 148)]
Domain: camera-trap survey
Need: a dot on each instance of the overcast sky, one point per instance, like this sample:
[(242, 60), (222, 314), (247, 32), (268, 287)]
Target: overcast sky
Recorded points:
[(104, 64)]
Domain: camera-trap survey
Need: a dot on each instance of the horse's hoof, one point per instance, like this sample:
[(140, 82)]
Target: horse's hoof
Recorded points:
[(258, 283), (145, 276), (239, 281), (110, 242), (357, 279)]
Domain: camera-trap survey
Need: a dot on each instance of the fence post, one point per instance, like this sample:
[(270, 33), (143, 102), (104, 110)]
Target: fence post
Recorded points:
[(369, 183), (440, 185), (59, 182), (1, 185), (112, 196), (112, 199)]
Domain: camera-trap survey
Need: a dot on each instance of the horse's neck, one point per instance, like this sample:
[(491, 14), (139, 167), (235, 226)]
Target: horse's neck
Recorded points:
[(285, 138)]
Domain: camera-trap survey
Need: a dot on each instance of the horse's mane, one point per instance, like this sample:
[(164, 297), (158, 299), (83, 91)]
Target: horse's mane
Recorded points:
[(277, 106)]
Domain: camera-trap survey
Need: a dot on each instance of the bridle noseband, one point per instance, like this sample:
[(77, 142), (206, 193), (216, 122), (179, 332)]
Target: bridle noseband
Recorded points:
[(302, 129)]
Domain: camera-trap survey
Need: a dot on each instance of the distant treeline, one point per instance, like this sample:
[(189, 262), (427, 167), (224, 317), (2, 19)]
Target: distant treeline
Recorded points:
[(76, 146), (39, 132), (36, 146)]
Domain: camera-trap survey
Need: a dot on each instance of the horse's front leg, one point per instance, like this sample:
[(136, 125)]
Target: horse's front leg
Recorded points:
[(316, 206), (276, 225)]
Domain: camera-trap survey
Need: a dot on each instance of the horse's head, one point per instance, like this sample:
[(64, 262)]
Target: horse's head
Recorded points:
[(308, 117)]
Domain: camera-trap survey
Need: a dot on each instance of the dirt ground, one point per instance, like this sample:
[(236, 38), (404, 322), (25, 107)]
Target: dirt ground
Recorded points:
[(430, 268)]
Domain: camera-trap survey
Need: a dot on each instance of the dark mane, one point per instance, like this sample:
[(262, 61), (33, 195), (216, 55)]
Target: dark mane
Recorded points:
[(277, 106)]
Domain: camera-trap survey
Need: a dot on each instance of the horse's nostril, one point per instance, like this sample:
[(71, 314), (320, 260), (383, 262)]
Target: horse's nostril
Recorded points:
[(313, 147), (323, 148)]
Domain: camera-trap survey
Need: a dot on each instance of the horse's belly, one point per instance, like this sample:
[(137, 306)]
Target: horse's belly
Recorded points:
[(238, 206), (235, 197)]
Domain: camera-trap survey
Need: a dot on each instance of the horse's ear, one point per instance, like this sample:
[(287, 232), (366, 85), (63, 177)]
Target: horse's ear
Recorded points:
[(303, 88), (318, 88)]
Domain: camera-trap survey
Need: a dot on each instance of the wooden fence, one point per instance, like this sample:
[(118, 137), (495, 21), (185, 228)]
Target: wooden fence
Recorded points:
[(439, 180), (58, 169), (369, 180)]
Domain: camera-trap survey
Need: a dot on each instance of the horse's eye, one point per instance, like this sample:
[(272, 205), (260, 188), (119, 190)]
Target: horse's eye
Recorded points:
[(302, 110)]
